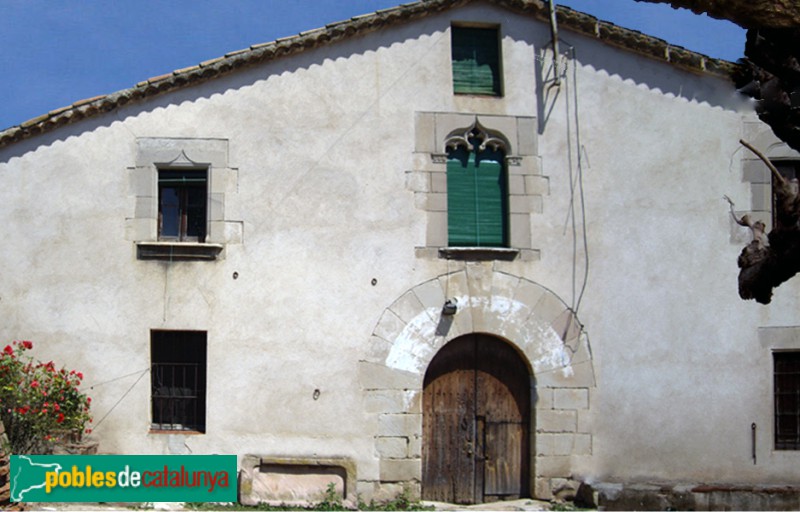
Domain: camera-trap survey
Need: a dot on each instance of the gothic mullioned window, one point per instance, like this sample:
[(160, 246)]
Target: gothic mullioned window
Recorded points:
[(477, 190)]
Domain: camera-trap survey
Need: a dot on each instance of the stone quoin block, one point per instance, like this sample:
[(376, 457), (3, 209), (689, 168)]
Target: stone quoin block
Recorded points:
[(400, 470), (577, 398), (556, 421)]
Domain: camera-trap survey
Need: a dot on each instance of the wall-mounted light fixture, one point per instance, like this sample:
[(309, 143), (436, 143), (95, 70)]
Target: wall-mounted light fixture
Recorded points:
[(450, 307)]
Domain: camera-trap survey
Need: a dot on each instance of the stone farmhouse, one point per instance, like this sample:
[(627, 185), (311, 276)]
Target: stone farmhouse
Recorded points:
[(425, 249)]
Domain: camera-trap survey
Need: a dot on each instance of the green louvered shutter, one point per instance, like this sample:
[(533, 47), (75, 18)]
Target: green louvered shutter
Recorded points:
[(476, 199), (476, 61)]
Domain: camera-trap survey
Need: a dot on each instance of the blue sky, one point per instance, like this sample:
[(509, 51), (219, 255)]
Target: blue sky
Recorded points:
[(56, 52)]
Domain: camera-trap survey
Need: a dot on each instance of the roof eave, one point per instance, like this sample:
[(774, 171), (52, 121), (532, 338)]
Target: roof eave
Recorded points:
[(569, 19)]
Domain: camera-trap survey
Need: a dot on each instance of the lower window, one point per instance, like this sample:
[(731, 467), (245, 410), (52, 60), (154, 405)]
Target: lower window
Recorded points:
[(178, 380), (787, 400)]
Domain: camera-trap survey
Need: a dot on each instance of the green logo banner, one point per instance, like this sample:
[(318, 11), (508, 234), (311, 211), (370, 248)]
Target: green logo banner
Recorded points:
[(123, 478)]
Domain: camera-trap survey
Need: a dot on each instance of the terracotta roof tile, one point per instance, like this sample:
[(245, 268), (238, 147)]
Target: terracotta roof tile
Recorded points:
[(569, 19), (59, 110), (86, 101), (35, 121), (186, 70), (159, 78), (211, 62)]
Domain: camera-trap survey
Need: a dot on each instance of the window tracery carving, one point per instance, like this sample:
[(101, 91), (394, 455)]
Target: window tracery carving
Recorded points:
[(476, 134)]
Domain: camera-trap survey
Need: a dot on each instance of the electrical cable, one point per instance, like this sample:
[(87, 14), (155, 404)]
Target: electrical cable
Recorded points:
[(576, 185), (117, 378), (581, 151), (121, 398)]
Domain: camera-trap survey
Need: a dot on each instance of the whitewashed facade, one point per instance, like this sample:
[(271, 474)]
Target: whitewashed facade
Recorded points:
[(322, 277)]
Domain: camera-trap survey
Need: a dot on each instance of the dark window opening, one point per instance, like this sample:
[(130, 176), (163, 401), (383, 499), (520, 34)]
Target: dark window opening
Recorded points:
[(790, 170), (178, 380), (787, 400), (476, 61), (182, 200)]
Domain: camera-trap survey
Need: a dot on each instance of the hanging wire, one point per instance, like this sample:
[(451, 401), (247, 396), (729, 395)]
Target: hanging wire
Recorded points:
[(581, 154), (142, 374), (576, 185), (117, 378)]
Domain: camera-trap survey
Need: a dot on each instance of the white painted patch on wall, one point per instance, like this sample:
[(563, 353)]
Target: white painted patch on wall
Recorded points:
[(552, 354), (503, 306), (408, 398), (413, 348)]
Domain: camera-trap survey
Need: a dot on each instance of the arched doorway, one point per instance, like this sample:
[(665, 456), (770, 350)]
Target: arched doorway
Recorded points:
[(476, 422)]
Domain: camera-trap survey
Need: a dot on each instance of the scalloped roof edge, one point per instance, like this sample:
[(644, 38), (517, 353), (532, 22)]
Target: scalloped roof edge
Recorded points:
[(568, 18)]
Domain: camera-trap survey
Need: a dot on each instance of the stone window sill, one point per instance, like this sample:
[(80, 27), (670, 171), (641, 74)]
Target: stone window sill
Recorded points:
[(177, 251), (177, 432), (478, 253)]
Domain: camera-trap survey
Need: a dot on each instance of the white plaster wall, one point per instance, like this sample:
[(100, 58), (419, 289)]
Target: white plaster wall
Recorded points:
[(322, 142)]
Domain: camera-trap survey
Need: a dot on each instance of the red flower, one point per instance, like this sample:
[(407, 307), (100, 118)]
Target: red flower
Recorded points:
[(80, 375), (27, 344), (35, 384), (60, 417), (8, 350)]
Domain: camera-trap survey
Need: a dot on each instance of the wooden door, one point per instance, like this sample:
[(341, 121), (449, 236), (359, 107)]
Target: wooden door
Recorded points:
[(476, 415)]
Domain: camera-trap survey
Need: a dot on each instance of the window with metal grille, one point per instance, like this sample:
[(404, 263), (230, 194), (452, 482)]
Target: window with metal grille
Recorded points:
[(787, 400), (476, 60), (182, 199), (178, 380)]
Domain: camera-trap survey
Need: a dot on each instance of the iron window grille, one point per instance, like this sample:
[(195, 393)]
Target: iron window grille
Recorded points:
[(178, 380), (787, 400)]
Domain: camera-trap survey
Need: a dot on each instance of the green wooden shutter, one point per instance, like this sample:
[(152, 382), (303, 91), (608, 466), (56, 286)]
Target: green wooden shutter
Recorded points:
[(476, 199), (476, 61)]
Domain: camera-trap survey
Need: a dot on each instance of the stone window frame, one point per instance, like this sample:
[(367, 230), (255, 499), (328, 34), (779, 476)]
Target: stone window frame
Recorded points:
[(758, 176), (527, 187), (164, 153)]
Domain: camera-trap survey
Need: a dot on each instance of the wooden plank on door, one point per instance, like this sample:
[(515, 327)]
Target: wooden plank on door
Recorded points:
[(449, 424), (504, 459), (503, 398)]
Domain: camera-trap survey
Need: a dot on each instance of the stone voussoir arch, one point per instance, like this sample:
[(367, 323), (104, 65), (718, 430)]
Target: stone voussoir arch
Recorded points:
[(529, 316)]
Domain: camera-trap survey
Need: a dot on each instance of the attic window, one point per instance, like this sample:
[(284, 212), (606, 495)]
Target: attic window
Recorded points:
[(476, 61)]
